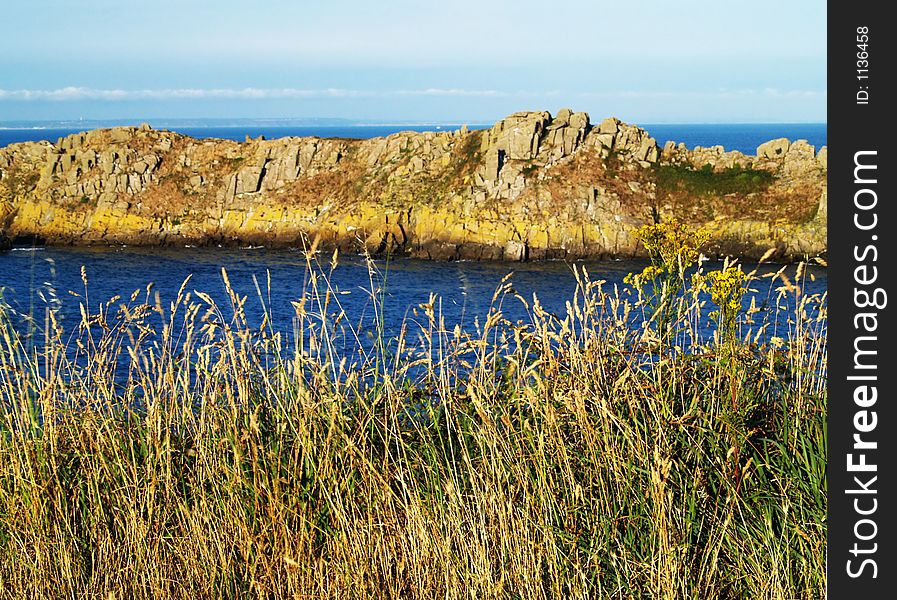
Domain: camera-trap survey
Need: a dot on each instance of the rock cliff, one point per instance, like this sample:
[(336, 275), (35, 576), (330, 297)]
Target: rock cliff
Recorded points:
[(531, 187)]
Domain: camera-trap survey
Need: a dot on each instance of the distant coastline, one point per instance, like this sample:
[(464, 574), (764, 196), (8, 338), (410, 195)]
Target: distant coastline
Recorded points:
[(743, 137)]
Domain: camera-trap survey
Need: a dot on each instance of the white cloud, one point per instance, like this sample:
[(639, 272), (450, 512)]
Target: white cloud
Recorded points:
[(84, 93), (707, 94)]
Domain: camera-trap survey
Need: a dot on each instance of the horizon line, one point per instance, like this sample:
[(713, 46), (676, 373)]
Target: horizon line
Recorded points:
[(65, 123)]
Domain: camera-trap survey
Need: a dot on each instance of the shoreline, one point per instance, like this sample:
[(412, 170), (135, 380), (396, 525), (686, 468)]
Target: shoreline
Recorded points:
[(19, 246)]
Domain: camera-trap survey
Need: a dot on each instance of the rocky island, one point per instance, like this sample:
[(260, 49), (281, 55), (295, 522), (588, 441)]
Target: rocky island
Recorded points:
[(534, 186)]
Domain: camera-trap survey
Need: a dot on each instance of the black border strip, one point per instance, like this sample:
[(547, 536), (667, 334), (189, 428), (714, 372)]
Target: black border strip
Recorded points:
[(862, 424)]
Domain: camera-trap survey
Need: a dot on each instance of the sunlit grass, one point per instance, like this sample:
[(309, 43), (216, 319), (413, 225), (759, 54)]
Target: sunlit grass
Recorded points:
[(171, 449)]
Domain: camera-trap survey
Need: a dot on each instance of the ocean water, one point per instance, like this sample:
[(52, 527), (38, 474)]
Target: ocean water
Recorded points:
[(33, 278), (738, 136), (742, 137)]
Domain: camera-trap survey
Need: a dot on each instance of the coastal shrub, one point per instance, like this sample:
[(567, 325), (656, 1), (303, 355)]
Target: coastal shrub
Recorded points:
[(172, 449), (672, 247), (726, 287)]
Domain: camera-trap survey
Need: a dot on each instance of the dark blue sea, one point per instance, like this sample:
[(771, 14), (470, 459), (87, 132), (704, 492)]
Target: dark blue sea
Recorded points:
[(742, 137), (32, 279)]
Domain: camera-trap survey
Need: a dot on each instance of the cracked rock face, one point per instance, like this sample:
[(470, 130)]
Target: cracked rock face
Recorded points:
[(532, 186)]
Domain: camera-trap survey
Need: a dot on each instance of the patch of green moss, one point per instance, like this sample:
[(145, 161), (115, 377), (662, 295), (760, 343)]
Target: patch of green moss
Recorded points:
[(20, 181), (706, 181), (468, 153)]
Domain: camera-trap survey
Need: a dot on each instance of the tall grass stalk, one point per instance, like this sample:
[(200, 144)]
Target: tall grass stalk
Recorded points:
[(174, 451)]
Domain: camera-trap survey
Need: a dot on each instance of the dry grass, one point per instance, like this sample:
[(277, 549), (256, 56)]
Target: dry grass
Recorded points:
[(173, 451)]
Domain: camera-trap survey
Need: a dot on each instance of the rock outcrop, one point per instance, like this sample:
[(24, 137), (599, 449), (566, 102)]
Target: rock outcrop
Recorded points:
[(531, 187)]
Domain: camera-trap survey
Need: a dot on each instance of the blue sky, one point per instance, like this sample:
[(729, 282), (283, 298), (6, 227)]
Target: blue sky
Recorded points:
[(468, 60)]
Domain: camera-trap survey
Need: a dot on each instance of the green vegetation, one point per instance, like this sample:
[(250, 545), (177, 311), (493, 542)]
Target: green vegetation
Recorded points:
[(469, 156), (726, 288), (18, 184), (672, 248), (706, 181), (568, 456)]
